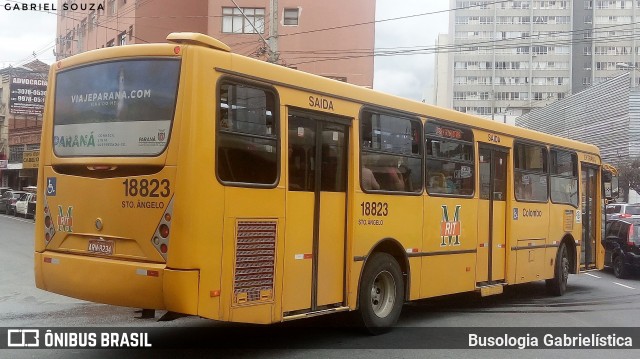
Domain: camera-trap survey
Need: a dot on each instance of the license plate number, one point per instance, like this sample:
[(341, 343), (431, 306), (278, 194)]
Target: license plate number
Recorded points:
[(101, 246)]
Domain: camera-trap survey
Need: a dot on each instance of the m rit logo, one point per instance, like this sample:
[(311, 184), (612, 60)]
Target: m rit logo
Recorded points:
[(65, 223), (450, 229)]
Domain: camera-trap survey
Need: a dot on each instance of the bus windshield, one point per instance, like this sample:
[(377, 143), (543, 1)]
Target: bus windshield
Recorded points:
[(115, 108)]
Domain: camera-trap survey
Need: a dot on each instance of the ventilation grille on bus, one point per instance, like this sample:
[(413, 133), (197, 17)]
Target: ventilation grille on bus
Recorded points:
[(255, 261)]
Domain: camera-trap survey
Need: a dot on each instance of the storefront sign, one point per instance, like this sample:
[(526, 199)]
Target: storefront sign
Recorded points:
[(27, 94), (30, 159)]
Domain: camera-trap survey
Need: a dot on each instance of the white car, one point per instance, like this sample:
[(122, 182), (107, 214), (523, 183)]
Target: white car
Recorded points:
[(22, 204)]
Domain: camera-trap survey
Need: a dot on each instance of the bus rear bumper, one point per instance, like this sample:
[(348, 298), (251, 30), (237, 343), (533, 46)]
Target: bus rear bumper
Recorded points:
[(117, 282)]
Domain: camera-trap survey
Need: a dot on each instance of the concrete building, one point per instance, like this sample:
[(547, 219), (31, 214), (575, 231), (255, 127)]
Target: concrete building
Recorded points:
[(312, 36), (22, 93), (606, 115), (512, 57)]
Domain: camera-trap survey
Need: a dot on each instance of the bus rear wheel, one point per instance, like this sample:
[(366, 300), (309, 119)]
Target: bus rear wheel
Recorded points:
[(558, 285), (381, 293)]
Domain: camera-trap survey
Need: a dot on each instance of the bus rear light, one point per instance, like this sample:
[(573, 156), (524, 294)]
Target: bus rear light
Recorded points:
[(176, 50), (49, 230), (147, 272), (160, 239), (51, 260), (164, 231)]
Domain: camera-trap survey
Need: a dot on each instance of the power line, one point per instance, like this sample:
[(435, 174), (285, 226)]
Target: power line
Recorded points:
[(494, 44)]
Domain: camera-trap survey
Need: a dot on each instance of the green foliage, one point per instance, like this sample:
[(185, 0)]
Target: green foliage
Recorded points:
[(629, 175)]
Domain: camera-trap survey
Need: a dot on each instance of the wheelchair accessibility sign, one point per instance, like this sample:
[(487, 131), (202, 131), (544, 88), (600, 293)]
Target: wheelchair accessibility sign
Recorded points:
[(51, 186)]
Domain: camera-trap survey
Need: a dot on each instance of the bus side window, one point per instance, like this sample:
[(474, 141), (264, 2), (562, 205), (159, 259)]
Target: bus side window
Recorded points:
[(390, 159), (450, 167), (247, 141)]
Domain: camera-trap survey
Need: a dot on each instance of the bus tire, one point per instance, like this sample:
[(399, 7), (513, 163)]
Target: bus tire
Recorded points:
[(619, 268), (558, 285), (381, 293)]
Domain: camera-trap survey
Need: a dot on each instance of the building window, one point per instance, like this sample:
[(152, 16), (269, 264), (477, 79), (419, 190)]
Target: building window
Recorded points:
[(110, 43), (291, 17), (337, 78), (92, 20), (130, 32), (111, 7), (122, 38), (234, 22), (15, 153)]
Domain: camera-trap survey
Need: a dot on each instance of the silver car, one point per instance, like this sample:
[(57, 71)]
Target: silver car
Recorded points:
[(622, 210)]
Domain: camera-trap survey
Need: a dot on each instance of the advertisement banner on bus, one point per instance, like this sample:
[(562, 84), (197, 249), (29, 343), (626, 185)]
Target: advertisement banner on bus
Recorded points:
[(117, 108)]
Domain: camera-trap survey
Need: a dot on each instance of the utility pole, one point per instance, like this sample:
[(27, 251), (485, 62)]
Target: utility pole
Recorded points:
[(274, 55)]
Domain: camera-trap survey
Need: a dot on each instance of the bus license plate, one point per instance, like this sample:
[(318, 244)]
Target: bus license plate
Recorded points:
[(101, 246)]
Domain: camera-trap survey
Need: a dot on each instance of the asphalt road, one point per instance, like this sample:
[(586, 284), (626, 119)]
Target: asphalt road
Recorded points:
[(593, 300)]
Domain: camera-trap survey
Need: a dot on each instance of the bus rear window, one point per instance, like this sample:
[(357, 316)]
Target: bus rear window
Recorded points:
[(116, 108)]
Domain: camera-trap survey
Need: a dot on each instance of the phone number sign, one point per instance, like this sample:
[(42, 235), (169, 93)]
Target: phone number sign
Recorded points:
[(27, 94)]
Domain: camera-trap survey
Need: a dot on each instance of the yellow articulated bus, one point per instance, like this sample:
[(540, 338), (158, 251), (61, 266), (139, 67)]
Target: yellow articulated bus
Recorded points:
[(186, 178)]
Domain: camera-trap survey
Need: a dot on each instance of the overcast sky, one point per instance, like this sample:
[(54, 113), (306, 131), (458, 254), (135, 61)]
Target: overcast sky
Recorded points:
[(24, 32)]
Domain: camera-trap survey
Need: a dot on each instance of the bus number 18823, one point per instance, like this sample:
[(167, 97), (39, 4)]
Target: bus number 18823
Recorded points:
[(146, 188), (380, 209)]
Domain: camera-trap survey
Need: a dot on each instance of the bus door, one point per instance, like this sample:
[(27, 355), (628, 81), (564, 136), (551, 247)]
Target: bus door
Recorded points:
[(314, 257), (491, 251), (589, 202)]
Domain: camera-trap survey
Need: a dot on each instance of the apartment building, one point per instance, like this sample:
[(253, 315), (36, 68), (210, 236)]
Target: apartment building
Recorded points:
[(313, 36), (512, 57)]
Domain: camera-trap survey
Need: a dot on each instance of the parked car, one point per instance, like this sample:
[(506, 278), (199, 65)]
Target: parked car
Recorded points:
[(31, 207), (22, 204), (4, 189), (8, 201), (622, 246), (622, 210)]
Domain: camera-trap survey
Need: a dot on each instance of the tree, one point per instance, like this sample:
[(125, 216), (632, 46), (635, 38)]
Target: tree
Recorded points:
[(629, 176)]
